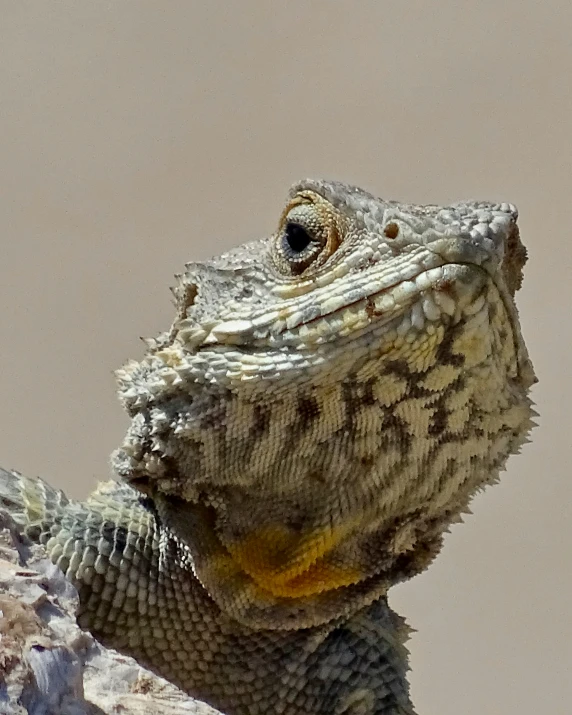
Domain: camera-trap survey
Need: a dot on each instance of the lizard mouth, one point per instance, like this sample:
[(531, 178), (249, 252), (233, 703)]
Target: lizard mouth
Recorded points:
[(435, 281), (371, 299), (305, 343)]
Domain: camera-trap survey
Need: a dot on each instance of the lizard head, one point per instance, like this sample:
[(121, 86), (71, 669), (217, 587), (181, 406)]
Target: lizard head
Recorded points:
[(328, 399)]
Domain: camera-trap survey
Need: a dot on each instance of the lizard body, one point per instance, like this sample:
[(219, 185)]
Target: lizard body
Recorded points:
[(323, 408)]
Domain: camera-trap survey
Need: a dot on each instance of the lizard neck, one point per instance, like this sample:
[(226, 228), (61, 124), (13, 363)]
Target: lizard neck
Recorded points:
[(139, 595)]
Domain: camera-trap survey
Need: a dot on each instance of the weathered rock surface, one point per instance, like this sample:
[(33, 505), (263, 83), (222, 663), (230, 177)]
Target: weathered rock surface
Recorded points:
[(48, 665)]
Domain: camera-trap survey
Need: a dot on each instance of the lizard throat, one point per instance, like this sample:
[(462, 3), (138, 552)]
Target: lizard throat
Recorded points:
[(257, 582)]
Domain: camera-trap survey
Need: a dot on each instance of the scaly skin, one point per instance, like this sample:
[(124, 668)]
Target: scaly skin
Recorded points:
[(323, 408)]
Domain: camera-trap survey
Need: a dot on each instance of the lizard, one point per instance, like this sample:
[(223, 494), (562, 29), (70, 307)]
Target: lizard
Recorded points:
[(322, 409)]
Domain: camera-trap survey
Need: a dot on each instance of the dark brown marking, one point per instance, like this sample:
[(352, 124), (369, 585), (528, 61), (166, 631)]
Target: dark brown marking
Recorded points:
[(308, 409), (317, 475), (439, 420), (391, 230), (356, 396), (368, 461), (445, 354), (445, 285), (370, 309), (398, 428), (367, 396), (261, 421)]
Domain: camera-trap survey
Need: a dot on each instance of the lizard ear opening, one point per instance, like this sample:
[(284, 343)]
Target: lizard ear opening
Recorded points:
[(185, 295)]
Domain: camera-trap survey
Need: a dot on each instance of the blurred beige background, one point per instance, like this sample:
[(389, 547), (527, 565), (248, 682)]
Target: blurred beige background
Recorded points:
[(137, 135)]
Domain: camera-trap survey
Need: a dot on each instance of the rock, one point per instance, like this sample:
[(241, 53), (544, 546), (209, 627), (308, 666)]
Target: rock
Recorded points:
[(48, 665)]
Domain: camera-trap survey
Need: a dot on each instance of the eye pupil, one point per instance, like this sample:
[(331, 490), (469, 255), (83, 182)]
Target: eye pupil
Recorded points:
[(297, 237)]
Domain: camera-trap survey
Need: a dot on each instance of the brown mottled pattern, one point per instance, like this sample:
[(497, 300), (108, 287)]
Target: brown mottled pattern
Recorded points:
[(324, 406)]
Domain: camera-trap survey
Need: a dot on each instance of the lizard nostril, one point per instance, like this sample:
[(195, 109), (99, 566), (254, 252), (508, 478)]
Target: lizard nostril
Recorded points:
[(391, 230)]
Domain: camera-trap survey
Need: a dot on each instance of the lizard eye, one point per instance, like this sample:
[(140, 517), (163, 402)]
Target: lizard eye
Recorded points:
[(301, 238), (296, 237), (299, 246)]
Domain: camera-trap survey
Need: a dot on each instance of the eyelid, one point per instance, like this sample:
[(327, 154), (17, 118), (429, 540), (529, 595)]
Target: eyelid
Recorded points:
[(320, 220)]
